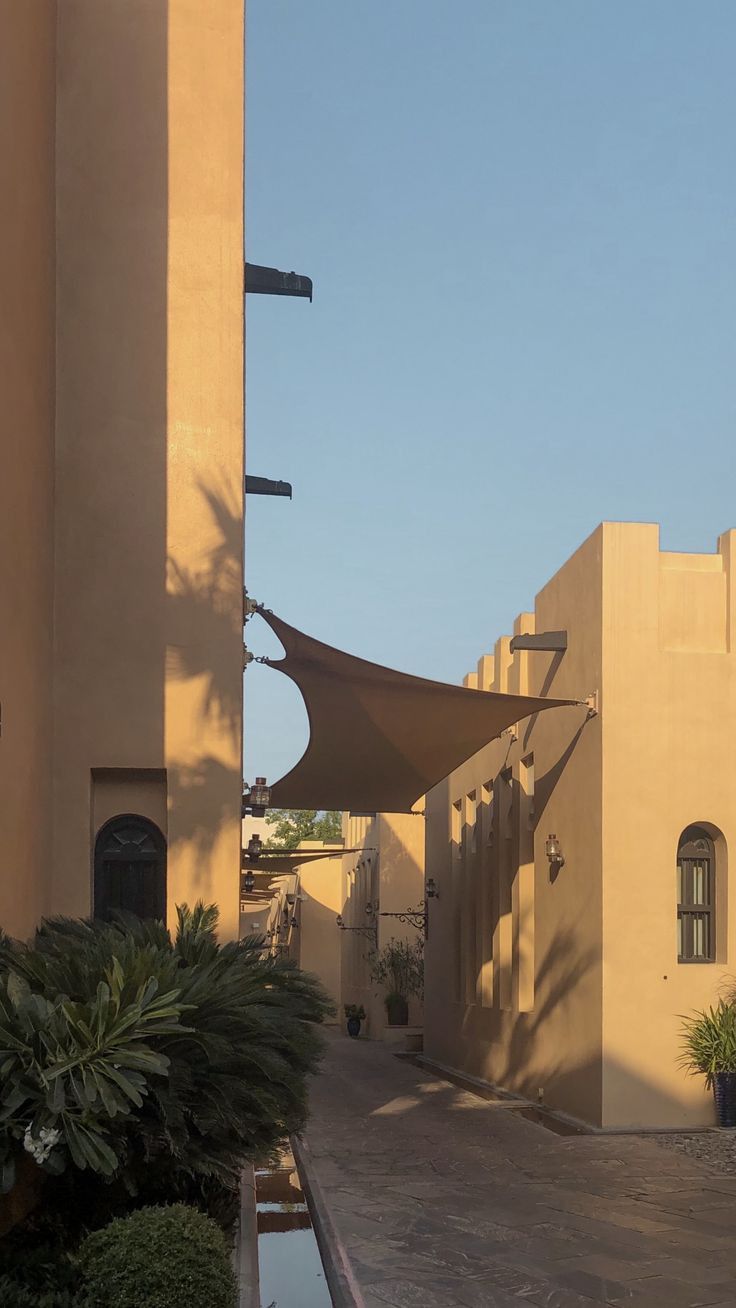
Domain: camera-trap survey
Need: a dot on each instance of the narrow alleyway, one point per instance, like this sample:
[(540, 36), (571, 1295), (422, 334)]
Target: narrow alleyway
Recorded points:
[(444, 1199)]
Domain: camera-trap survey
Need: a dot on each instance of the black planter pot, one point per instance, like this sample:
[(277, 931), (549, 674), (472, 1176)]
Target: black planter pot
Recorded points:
[(353, 1027), (724, 1093), (397, 1010)]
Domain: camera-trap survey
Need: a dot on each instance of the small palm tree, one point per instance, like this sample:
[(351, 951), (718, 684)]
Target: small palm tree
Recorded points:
[(709, 1041)]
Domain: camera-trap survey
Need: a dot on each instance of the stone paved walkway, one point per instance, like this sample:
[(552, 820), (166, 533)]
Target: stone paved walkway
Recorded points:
[(444, 1199)]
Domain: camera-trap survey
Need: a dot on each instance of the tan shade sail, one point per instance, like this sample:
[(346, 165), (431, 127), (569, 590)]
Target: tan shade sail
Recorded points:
[(380, 739)]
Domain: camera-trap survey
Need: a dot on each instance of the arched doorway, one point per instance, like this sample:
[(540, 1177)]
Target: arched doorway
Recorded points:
[(130, 868)]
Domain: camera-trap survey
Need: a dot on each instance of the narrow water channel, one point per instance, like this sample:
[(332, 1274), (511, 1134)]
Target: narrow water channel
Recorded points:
[(289, 1265)]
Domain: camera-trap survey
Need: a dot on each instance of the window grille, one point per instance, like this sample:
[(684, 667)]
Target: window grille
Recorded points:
[(696, 895), (130, 869)]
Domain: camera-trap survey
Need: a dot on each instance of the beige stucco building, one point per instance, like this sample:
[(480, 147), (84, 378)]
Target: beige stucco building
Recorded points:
[(121, 496), (295, 911), (386, 876), (565, 982)]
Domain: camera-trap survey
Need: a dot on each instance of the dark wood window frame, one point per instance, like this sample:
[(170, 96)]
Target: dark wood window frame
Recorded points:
[(696, 906), (130, 868)]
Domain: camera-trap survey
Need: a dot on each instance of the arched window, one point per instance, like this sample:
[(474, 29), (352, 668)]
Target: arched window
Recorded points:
[(696, 897), (130, 868)]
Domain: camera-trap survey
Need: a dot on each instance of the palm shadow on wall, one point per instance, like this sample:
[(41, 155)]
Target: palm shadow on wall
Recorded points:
[(567, 967), (204, 626), (209, 601)]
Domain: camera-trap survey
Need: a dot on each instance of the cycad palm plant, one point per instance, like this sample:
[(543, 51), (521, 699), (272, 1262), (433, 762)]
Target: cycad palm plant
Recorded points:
[(161, 1065)]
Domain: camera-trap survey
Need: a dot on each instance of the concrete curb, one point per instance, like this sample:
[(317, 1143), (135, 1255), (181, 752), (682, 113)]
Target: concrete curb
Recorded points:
[(341, 1280), (246, 1245)]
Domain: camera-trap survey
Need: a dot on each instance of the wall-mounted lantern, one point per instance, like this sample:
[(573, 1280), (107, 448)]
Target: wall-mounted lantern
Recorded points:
[(256, 798), (249, 882), (553, 850), (430, 889), (254, 848)]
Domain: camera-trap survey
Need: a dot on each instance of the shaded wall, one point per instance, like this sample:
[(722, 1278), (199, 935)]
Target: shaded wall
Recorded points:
[(514, 969), (112, 226), (27, 127), (148, 655), (315, 942), (388, 871)]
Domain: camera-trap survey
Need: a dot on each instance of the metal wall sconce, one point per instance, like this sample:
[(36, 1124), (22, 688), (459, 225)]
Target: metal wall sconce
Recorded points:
[(553, 850), (430, 889), (370, 932), (249, 882), (254, 848), (256, 798)]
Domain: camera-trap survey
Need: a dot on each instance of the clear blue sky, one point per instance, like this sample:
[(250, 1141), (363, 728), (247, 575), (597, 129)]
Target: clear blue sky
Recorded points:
[(520, 219)]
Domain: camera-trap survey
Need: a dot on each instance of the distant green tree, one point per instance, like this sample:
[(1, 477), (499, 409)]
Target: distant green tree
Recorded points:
[(292, 825)]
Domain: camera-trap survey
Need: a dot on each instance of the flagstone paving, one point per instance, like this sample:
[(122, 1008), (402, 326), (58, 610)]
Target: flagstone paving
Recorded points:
[(442, 1199)]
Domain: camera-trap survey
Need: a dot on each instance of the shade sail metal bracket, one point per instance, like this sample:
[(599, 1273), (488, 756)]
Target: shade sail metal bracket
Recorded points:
[(251, 606), (591, 704), (260, 280), (552, 642), (249, 657), (265, 486)]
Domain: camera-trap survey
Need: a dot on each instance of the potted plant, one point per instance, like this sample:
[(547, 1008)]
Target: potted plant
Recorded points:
[(400, 968), (355, 1013), (709, 1047)]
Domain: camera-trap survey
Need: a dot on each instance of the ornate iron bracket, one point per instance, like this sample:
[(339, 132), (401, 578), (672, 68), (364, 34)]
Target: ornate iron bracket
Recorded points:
[(370, 932), (416, 917)]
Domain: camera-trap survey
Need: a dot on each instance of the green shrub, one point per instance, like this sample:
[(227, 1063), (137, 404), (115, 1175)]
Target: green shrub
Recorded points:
[(13, 1295), (354, 1010), (156, 1068), (161, 1258), (400, 968), (35, 1274)]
